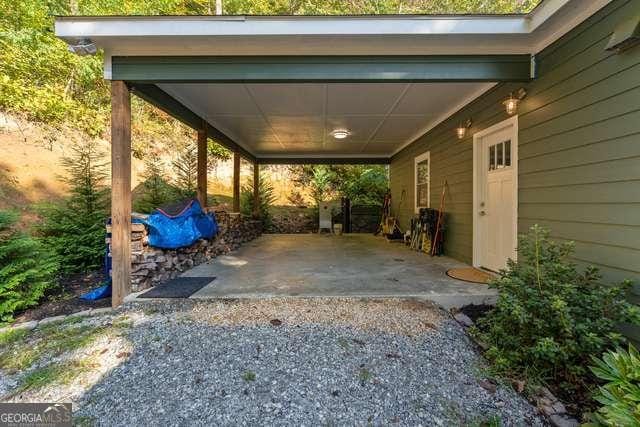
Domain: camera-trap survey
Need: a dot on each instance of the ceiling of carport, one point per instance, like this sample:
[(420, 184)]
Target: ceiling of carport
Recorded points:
[(273, 119)]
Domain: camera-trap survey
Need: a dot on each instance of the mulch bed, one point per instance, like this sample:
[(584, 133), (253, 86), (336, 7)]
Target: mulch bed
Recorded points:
[(475, 312), (64, 299)]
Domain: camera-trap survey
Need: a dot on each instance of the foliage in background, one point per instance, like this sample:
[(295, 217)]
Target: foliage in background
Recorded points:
[(550, 318), (155, 190), (185, 169), (27, 269), (74, 228), (266, 200), (363, 184), (42, 80), (620, 396)]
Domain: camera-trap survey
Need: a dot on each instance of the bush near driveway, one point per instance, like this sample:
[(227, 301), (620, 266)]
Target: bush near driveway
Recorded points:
[(27, 269), (550, 318), (620, 396)]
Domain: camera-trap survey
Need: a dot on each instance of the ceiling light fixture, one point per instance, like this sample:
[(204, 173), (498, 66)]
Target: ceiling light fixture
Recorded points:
[(340, 133), (511, 103), (461, 130)]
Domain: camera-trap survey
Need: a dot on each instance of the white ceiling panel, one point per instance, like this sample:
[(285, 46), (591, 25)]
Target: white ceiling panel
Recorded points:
[(289, 99), (428, 98), (362, 99), (297, 119), (400, 128)]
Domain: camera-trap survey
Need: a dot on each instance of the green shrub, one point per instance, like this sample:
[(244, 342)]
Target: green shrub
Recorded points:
[(74, 228), (549, 318), (620, 396), (185, 169), (27, 270), (266, 200), (155, 190)]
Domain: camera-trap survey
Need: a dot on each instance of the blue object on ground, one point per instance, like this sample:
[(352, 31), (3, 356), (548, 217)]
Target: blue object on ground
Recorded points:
[(98, 293), (189, 224)]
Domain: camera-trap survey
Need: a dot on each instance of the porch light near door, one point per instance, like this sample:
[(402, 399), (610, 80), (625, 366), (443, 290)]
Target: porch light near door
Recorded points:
[(461, 130), (511, 103), (340, 133)]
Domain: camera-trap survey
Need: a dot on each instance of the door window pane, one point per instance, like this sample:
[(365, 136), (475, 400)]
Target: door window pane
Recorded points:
[(492, 157), (499, 156), (507, 153)]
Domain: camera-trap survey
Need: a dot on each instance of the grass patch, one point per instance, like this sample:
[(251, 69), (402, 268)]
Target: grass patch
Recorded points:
[(12, 335), (490, 421), (249, 376), (55, 373), (52, 340), (365, 375)]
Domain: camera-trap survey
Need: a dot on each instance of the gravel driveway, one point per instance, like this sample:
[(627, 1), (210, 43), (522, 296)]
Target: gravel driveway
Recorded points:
[(297, 362)]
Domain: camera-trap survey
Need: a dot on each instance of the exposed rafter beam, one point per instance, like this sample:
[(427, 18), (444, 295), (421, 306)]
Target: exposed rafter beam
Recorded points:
[(324, 160), (161, 99), (311, 69)]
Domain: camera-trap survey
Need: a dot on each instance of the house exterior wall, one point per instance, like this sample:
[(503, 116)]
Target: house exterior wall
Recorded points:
[(579, 151)]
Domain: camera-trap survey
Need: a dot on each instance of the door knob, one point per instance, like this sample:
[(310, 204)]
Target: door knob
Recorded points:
[(483, 213)]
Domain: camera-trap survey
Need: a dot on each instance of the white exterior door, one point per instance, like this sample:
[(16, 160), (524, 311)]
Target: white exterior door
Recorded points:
[(495, 195)]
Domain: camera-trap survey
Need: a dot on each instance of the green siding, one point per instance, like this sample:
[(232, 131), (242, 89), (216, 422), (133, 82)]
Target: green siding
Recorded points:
[(579, 150)]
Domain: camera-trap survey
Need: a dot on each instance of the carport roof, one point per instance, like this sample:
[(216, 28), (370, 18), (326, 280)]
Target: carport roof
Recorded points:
[(275, 87)]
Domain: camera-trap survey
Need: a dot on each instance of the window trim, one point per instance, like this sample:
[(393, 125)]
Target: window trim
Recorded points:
[(422, 157)]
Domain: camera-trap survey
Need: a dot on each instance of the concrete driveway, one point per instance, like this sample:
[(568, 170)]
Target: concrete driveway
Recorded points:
[(354, 265)]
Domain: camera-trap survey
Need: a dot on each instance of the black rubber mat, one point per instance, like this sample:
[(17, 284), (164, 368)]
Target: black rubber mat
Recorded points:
[(180, 287)]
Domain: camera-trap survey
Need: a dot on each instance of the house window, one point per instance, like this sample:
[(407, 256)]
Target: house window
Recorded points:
[(422, 180)]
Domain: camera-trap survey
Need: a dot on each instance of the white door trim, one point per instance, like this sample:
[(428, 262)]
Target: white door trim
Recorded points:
[(479, 181)]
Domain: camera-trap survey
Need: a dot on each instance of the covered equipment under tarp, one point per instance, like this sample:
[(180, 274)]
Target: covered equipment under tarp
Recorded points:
[(180, 225)]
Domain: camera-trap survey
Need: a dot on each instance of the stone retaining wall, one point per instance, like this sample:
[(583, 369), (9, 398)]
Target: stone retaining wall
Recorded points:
[(151, 266)]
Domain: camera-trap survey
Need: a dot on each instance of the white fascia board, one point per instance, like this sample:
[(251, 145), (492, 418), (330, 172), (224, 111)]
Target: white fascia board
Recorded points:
[(71, 28)]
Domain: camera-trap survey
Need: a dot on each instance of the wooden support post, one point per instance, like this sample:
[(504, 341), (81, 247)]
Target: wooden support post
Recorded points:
[(256, 190), (236, 181), (120, 192), (202, 167)]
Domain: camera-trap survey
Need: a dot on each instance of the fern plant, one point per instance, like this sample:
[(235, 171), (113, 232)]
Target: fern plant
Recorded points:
[(620, 396), (27, 269)]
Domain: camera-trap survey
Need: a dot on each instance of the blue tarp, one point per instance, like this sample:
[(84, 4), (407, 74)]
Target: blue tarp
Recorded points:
[(189, 224), (183, 229)]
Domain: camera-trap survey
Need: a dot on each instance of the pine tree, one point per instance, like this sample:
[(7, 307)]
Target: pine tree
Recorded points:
[(186, 171), (74, 227), (266, 200), (155, 191), (27, 269)]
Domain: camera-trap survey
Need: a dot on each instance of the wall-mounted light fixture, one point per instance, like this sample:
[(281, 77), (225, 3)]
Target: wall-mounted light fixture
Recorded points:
[(461, 130), (511, 103)]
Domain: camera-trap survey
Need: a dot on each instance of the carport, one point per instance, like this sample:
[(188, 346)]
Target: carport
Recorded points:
[(294, 89)]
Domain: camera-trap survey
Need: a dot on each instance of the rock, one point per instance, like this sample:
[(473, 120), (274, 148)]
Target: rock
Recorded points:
[(559, 408), (100, 311), (83, 313), (50, 320), (24, 325), (488, 385), (463, 319), (563, 421)]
